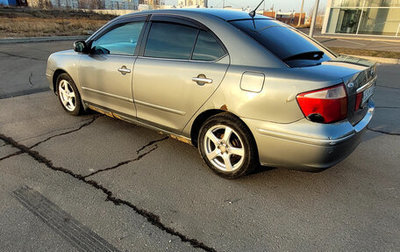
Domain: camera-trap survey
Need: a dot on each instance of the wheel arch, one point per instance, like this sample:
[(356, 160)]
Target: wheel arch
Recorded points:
[(55, 76), (202, 117)]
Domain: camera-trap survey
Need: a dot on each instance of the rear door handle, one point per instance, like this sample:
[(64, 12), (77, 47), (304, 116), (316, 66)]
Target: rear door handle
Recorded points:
[(201, 79), (124, 70)]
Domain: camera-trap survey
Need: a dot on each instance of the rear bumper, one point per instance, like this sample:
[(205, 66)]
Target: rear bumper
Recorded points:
[(304, 144)]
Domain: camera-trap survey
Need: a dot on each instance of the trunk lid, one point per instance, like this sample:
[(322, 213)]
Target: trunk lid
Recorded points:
[(359, 84)]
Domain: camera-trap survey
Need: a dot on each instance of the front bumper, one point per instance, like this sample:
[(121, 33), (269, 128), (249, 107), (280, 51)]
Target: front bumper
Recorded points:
[(304, 144), (49, 77)]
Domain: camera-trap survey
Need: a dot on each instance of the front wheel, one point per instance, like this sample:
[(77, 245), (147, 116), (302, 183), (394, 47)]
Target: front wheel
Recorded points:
[(68, 94), (227, 146)]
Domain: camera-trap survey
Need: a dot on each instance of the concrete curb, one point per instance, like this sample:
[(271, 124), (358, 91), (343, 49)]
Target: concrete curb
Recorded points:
[(393, 40), (379, 59), (41, 39)]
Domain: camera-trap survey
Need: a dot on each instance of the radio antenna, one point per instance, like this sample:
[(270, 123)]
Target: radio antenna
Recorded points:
[(253, 12)]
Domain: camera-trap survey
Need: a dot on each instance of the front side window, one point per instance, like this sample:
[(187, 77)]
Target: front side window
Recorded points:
[(207, 48), (121, 40), (167, 40)]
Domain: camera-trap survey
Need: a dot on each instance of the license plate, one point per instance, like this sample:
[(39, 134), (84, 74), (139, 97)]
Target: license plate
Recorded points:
[(367, 94)]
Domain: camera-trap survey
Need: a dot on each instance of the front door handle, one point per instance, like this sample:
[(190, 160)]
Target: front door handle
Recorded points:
[(201, 79), (124, 70)]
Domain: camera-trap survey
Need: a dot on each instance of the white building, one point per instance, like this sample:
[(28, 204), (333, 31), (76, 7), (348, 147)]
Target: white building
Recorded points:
[(89, 4), (193, 3), (121, 4), (362, 17)]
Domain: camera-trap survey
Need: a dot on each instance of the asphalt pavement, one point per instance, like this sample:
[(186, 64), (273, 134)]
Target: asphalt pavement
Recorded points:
[(96, 183)]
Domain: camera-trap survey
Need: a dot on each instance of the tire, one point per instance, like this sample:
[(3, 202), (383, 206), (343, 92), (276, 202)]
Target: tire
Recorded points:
[(68, 95), (230, 156)]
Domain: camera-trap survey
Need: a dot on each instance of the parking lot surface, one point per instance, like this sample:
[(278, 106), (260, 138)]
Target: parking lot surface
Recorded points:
[(96, 183)]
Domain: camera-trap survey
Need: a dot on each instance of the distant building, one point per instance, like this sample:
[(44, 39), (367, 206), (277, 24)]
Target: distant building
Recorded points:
[(87, 4), (8, 2), (291, 18), (65, 3), (367, 17), (13, 2), (271, 14), (193, 3), (121, 4)]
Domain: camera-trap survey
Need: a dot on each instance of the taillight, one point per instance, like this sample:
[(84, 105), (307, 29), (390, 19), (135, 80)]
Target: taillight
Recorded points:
[(324, 105), (359, 97)]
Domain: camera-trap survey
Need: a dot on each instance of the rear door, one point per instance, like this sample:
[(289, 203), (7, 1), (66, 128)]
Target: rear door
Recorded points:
[(181, 65), (105, 74)]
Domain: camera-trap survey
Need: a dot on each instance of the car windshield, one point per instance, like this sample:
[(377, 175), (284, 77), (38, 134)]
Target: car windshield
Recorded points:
[(291, 46)]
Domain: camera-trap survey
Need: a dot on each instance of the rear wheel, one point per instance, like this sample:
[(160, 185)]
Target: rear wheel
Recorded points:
[(227, 146), (68, 94)]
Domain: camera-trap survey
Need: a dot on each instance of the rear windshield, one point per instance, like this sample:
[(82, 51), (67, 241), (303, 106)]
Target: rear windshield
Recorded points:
[(291, 46)]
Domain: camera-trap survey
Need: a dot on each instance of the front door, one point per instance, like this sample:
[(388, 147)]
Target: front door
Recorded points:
[(180, 69), (105, 74)]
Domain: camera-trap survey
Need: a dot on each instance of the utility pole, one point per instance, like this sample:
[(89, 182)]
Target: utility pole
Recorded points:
[(301, 12), (314, 18)]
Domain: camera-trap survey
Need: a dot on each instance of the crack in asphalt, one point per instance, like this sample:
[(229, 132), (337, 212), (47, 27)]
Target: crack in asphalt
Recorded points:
[(47, 139), (30, 79), (20, 56), (150, 217), (151, 143), (11, 155), (52, 131), (94, 118), (123, 162), (386, 87), (383, 132)]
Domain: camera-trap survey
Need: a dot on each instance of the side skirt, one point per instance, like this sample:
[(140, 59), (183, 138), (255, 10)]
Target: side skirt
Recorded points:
[(130, 119)]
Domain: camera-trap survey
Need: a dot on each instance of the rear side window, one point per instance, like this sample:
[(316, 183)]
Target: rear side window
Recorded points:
[(167, 40), (207, 48), (121, 40)]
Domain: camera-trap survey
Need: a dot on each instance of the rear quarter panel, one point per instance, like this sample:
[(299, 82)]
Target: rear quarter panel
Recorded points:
[(276, 102)]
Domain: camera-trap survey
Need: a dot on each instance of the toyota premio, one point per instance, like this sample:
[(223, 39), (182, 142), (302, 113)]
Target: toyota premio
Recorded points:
[(243, 88)]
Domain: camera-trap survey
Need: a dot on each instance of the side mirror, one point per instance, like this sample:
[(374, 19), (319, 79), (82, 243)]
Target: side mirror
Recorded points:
[(80, 46)]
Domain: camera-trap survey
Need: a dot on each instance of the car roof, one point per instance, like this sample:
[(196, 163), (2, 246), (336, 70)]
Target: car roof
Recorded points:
[(227, 15)]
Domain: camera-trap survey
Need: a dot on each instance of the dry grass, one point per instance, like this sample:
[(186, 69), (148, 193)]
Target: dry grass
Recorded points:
[(37, 27), (362, 52), (17, 22)]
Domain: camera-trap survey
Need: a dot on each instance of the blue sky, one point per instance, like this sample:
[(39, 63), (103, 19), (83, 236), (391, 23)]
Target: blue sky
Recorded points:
[(284, 5)]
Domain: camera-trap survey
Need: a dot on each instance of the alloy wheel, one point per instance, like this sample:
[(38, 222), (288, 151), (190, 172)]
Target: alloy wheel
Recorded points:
[(67, 95), (224, 148)]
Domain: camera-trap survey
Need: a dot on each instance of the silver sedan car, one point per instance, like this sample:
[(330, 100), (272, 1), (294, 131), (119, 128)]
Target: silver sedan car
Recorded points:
[(245, 90)]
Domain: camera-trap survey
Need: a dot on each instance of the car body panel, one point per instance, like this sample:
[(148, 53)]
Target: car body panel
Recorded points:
[(305, 144), (66, 61), (277, 100), (164, 89), (103, 84)]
